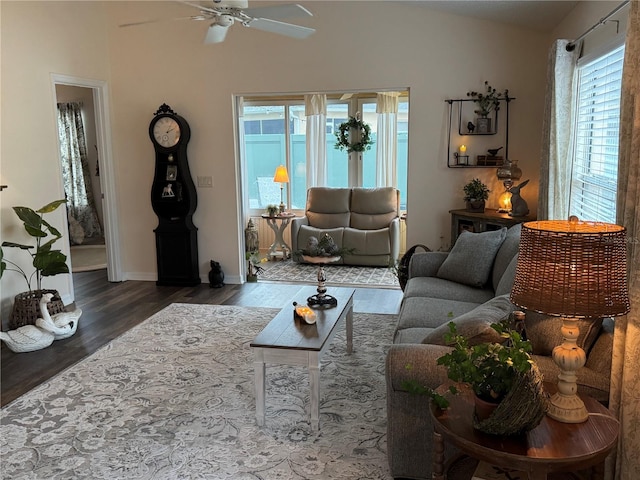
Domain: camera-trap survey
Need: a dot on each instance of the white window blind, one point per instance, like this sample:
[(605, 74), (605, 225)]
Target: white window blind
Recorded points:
[(595, 164)]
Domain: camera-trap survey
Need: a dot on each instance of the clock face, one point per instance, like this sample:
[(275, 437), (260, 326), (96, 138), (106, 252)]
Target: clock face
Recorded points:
[(166, 132)]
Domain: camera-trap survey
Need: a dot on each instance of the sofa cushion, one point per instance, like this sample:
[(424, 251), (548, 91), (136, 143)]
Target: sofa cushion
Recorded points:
[(545, 334), (435, 287), (430, 312), (328, 207), (373, 208), (508, 277), (475, 325), (507, 251), (471, 259), (367, 242)]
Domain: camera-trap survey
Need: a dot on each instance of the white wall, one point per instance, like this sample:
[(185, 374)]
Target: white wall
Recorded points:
[(358, 45), (33, 46)]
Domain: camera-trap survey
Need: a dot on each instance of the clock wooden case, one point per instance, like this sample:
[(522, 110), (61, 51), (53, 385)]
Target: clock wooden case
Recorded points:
[(174, 200)]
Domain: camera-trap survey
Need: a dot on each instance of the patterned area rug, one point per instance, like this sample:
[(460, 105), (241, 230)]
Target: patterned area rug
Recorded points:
[(173, 398), (290, 272)]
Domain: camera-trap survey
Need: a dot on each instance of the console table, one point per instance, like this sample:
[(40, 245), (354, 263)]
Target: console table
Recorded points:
[(550, 447), (490, 219)]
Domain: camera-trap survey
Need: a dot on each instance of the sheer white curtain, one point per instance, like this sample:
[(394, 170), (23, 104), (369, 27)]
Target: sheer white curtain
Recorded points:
[(386, 142), (557, 133), (242, 148), (315, 108)]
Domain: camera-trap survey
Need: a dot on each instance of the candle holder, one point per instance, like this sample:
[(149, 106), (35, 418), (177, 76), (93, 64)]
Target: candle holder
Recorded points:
[(461, 159), (321, 299)]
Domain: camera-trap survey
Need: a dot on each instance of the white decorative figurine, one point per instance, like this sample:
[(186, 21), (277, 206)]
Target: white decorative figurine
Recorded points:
[(27, 338), (62, 325)]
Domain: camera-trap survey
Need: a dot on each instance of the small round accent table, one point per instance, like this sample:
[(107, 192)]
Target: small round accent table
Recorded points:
[(278, 224), (550, 447)]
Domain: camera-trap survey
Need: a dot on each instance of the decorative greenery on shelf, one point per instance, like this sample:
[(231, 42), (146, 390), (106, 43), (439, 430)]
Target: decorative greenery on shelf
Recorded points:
[(46, 261), (344, 140), (490, 369), (475, 190), (489, 100)]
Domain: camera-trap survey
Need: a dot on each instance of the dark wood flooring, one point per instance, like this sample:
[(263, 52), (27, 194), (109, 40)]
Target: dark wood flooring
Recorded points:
[(110, 309)]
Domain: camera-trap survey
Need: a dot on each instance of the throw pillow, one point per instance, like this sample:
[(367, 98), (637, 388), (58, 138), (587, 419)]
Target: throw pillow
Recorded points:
[(470, 260), (475, 325), (543, 331)]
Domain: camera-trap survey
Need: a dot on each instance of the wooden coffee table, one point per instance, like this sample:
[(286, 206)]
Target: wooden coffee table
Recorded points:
[(550, 447), (290, 341)]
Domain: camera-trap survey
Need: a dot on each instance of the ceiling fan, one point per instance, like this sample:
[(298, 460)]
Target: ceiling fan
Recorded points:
[(224, 13)]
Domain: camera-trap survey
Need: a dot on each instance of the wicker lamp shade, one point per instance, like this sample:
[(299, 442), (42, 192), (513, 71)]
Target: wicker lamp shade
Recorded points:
[(571, 269)]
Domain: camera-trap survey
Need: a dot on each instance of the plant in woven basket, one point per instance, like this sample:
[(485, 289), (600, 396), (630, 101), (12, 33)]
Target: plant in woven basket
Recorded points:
[(490, 369), (500, 373), (45, 260)]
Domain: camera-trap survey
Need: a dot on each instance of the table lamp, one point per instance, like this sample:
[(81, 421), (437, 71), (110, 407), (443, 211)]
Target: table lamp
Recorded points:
[(571, 269), (282, 177)]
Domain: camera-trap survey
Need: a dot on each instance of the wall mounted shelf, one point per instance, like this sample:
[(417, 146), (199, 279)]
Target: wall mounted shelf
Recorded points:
[(477, 143)]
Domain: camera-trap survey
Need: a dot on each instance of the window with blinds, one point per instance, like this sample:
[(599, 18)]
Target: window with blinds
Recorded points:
[(595, 164)]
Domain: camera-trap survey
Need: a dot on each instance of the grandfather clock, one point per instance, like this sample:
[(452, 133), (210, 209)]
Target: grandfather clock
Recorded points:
[(174, 199)]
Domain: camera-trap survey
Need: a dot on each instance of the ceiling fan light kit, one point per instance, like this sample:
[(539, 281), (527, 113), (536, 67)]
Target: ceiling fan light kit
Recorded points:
[(224, 13)]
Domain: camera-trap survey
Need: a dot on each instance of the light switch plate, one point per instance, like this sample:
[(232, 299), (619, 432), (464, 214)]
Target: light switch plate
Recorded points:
[(205, 182)]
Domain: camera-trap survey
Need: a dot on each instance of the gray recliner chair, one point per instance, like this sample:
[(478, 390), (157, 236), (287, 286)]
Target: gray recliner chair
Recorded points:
[(363, 219)]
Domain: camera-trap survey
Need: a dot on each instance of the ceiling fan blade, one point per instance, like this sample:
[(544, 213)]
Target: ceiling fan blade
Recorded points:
[(157, 20), (289, 10), (273, 26), (216, 34)]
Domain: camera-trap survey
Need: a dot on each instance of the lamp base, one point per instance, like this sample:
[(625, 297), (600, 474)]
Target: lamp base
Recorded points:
[(567, 409), (565, 405)]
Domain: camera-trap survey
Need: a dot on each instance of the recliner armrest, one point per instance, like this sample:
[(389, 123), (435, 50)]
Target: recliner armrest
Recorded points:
[(296, 223), (426, 264)]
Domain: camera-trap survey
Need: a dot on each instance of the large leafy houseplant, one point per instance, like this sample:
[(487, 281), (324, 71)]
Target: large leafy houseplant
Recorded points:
[(45, 260)]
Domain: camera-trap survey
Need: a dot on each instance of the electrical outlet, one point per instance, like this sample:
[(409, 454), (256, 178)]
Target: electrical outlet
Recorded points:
[(205, 182)]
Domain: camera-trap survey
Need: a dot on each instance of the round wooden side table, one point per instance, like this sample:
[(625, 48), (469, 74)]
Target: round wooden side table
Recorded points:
[(550, 447)]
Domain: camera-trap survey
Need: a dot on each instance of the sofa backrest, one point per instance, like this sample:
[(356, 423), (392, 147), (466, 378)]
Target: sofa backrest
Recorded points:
[(328, 207), (374, 208), (507, 251)]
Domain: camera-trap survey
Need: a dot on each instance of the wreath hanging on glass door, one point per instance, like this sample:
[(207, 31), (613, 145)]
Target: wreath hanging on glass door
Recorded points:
[(344, 140)]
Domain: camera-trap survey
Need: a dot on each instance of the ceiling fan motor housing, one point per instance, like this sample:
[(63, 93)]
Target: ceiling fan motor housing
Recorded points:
[(224, 20)]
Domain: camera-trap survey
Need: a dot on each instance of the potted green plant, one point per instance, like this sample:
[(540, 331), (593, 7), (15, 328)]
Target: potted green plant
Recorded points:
[(487, 101), (253, 266), (45, 260), (496, 373), (273, 210), (475, 195)]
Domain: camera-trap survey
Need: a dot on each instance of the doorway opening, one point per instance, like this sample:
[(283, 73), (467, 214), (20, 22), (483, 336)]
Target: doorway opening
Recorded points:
[(94, 245)]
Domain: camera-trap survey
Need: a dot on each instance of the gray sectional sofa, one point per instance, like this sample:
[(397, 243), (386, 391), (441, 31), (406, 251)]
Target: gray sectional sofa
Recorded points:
[(364, 220), (470, 286)]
